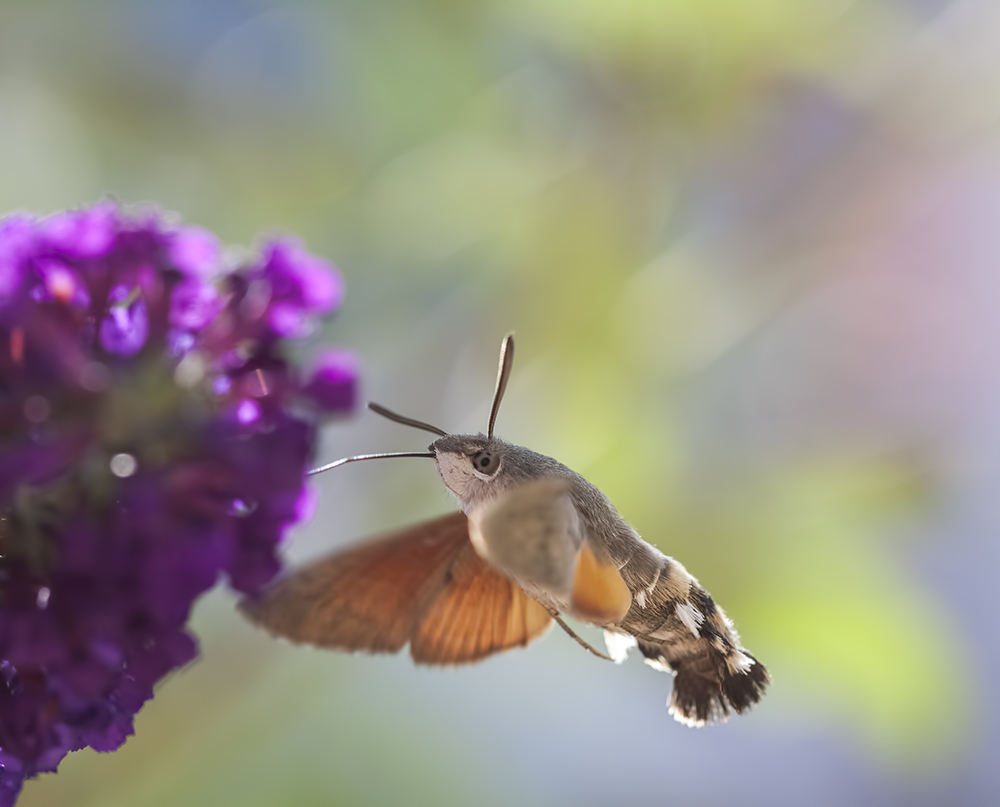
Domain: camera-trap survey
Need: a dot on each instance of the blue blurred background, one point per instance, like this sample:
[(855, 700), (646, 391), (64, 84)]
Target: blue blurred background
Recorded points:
[(751, 251)]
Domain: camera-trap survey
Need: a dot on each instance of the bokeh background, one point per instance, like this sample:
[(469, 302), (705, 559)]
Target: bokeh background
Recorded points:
[(751, 251)]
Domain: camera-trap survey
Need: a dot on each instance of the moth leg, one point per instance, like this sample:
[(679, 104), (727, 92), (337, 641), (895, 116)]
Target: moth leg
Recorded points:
[(576, 637)]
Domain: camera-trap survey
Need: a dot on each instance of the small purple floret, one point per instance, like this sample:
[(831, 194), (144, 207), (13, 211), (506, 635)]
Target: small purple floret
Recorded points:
[(334, 385), (126, 325), (86, 233), (302, 287), (248, 411), (194, 304), (153, 439), (195, 252), (16, 244), (60, 282)]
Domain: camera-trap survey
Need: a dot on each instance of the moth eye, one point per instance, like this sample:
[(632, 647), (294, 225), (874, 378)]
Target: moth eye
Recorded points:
[(485, 462)]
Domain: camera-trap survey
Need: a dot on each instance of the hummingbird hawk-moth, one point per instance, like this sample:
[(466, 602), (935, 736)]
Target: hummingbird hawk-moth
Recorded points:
[(533, 540)]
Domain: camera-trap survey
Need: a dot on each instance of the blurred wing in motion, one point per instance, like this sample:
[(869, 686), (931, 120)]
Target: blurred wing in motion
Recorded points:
[(423, 585), (532, 532)]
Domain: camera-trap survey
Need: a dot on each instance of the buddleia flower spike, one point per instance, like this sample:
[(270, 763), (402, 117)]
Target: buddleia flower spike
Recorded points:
[(153, 436)]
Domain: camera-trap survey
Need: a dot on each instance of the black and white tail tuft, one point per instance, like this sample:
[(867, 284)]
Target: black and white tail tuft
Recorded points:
[(709, 686)]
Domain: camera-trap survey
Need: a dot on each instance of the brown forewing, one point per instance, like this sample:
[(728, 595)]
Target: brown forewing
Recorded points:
[(424, 585)]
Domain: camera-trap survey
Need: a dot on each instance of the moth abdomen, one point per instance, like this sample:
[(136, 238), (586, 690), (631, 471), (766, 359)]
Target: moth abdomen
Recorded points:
[(680, 628)]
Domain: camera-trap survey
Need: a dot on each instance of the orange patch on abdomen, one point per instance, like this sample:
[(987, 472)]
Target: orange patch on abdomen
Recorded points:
[(600, 595)]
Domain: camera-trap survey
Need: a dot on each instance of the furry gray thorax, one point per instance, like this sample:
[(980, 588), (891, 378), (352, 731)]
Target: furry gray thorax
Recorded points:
[(611, 535)]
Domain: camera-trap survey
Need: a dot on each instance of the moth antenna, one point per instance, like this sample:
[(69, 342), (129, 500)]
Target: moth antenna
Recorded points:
[(580, 641), (503, 374), (417, 424), (360, 457)]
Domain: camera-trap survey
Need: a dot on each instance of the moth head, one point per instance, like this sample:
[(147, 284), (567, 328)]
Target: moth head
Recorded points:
[(470, 466)]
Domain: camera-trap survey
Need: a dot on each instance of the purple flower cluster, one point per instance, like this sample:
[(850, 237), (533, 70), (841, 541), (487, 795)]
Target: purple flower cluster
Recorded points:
[(153, 434)]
